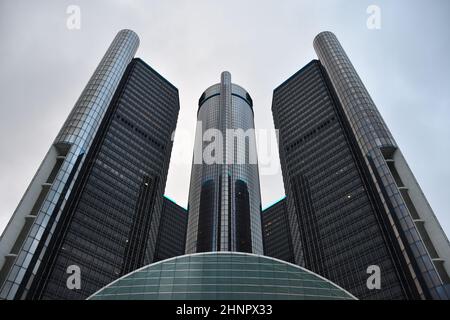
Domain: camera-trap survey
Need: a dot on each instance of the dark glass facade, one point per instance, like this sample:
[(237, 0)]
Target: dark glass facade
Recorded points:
[(206, 217), (110, 224), (172, 231), (334, 152), (276, 234), (243, 223)]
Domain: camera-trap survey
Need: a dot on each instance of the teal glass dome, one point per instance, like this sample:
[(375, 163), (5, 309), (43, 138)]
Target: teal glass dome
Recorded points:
[(222, 276)]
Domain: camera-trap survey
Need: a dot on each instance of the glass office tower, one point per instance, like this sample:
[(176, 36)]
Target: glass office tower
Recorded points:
[(172, 231), (96, 200), (276, 233), (352, 199), (224, 195)]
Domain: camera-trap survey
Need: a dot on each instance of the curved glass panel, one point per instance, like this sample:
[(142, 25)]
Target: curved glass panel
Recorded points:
[(219, 276)]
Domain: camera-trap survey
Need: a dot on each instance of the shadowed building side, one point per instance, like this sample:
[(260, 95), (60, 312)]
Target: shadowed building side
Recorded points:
[(276, 232), (172, 231)]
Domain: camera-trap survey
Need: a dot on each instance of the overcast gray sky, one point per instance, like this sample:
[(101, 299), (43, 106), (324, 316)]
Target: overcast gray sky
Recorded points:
[(405, 66)]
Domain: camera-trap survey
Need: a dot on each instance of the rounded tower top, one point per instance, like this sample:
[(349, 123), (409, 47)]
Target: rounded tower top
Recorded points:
[(128, 33), (322, 35), (236, 90)]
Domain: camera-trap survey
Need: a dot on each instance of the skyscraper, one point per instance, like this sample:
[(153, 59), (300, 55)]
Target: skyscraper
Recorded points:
[(276, 234), (95, 202), (224, 195), (353, 202), (172, 231)]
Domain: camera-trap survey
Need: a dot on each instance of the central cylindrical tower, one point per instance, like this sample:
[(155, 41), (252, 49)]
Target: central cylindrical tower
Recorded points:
[(224, 194)]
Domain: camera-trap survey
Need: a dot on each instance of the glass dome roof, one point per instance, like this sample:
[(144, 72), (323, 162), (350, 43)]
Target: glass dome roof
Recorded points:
[(221, 276)]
